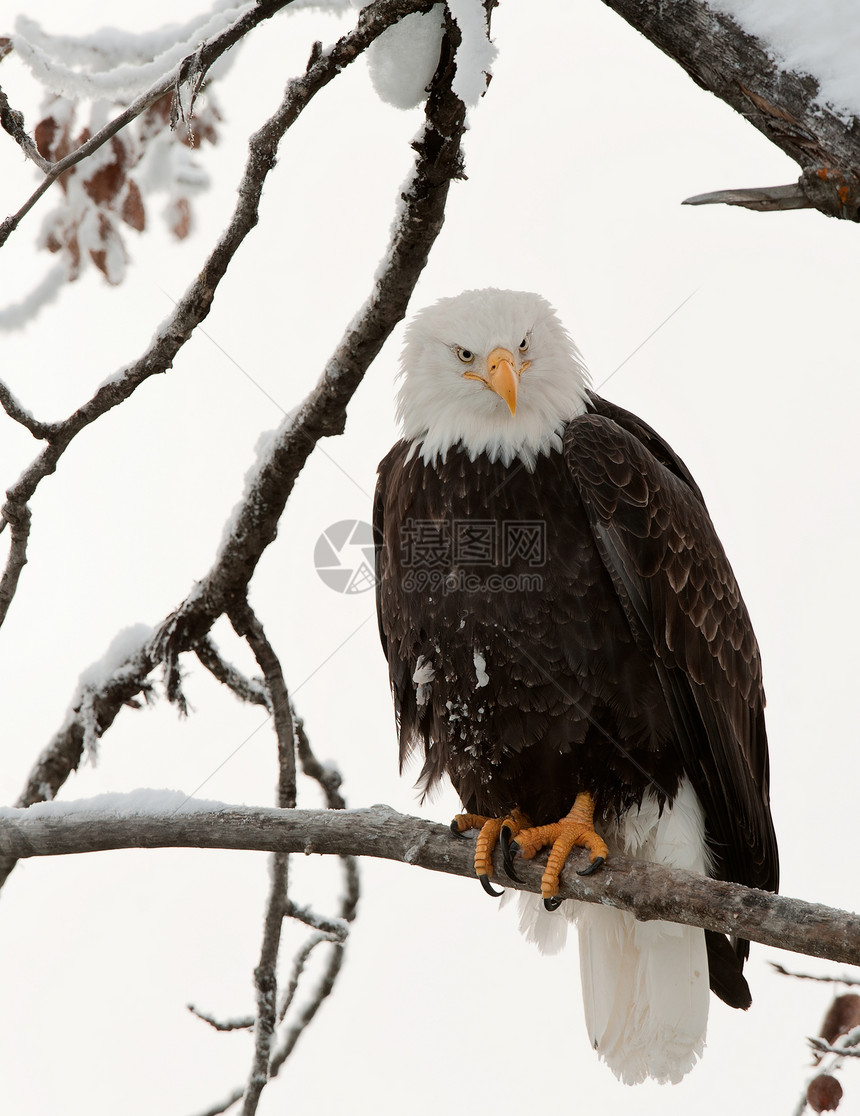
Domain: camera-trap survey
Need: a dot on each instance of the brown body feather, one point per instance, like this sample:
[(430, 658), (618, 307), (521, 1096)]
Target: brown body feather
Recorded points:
[(616, 659)]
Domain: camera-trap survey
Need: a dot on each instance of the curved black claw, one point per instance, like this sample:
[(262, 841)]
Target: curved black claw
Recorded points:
[(552, 904), (455, 829), (509, 851), (592, 867), (488, 887)]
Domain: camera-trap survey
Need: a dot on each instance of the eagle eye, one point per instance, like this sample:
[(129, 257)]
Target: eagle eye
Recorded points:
[(465, 355), (524, 344)]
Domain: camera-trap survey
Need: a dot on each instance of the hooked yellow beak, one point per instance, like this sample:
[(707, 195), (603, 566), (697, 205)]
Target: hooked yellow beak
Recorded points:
[(503, 376)]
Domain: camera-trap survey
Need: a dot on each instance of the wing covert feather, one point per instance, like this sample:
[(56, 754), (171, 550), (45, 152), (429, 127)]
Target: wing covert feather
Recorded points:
[(682, 601)]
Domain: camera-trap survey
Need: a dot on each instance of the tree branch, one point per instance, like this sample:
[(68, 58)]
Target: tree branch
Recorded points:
[(649, 891), (195, 304), (323, 412), (21, 415), (248, 626), (246, 689), (739, 69), (12, 122), (842, 979), (192, 68)]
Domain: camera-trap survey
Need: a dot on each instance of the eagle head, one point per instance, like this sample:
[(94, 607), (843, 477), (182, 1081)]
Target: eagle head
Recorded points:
[(490, 371)]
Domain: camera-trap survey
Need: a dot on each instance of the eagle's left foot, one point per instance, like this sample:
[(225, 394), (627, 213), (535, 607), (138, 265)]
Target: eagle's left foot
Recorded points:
[(488, 838), (574, 831)]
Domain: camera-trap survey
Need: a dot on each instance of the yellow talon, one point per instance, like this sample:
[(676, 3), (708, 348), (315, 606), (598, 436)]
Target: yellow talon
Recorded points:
[(488, 837), (574, 831)]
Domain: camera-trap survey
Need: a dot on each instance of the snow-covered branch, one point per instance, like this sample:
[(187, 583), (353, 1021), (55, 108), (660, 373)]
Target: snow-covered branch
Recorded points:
[(784, 104), (649, 891), (191, 68), (323, 413)]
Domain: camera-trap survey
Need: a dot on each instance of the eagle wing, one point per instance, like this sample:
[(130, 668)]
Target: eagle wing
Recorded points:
[(390, 617), (682, 602)]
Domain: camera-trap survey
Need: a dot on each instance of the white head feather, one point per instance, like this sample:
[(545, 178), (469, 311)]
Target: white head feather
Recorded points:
[(439, 408)]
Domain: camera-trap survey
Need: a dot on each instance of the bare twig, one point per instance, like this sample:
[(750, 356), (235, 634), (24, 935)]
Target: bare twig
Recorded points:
[(12, 122), (266, 982), (328, 777), (246, 689), (267, 1058), (324, 986), (649, 891), (21, 415), (249, 627), (832, 192), (334, 928), (843, 1051), (246, 1023), (299, 962), (321, 992), (222, 1106), (764, 199), (843, 979), (278, 905), (18, 517)]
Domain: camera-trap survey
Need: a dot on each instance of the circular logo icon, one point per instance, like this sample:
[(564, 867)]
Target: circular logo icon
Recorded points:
[(343, 556)]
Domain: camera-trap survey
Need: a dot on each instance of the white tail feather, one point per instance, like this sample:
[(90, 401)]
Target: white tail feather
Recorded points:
[(645, 985)]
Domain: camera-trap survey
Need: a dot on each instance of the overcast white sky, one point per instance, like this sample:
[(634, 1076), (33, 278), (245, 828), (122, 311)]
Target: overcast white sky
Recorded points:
[(577, 161)]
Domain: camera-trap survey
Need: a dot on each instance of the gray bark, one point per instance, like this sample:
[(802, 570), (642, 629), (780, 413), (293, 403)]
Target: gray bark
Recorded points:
[(649, 891), (740, 70)]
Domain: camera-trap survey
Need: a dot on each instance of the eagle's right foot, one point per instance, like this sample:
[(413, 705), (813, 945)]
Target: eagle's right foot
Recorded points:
[(574, 830)]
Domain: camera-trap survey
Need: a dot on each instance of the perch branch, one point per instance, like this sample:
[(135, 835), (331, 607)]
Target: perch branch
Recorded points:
[(649, 891)]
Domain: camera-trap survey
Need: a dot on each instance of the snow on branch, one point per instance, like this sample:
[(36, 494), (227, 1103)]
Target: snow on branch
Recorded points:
[(783, 103), (324, 411), (649, 891), (190, 68), (118, 65)]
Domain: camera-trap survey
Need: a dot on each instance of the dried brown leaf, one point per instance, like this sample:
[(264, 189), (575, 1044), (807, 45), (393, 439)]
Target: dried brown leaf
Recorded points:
[(133, 211), (842, 1016), (105, 185), (45, 133), (179, 218), (824, 1093), (112, 244)]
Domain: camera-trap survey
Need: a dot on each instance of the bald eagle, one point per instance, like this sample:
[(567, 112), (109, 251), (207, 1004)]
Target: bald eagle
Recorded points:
[(566, 641)]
